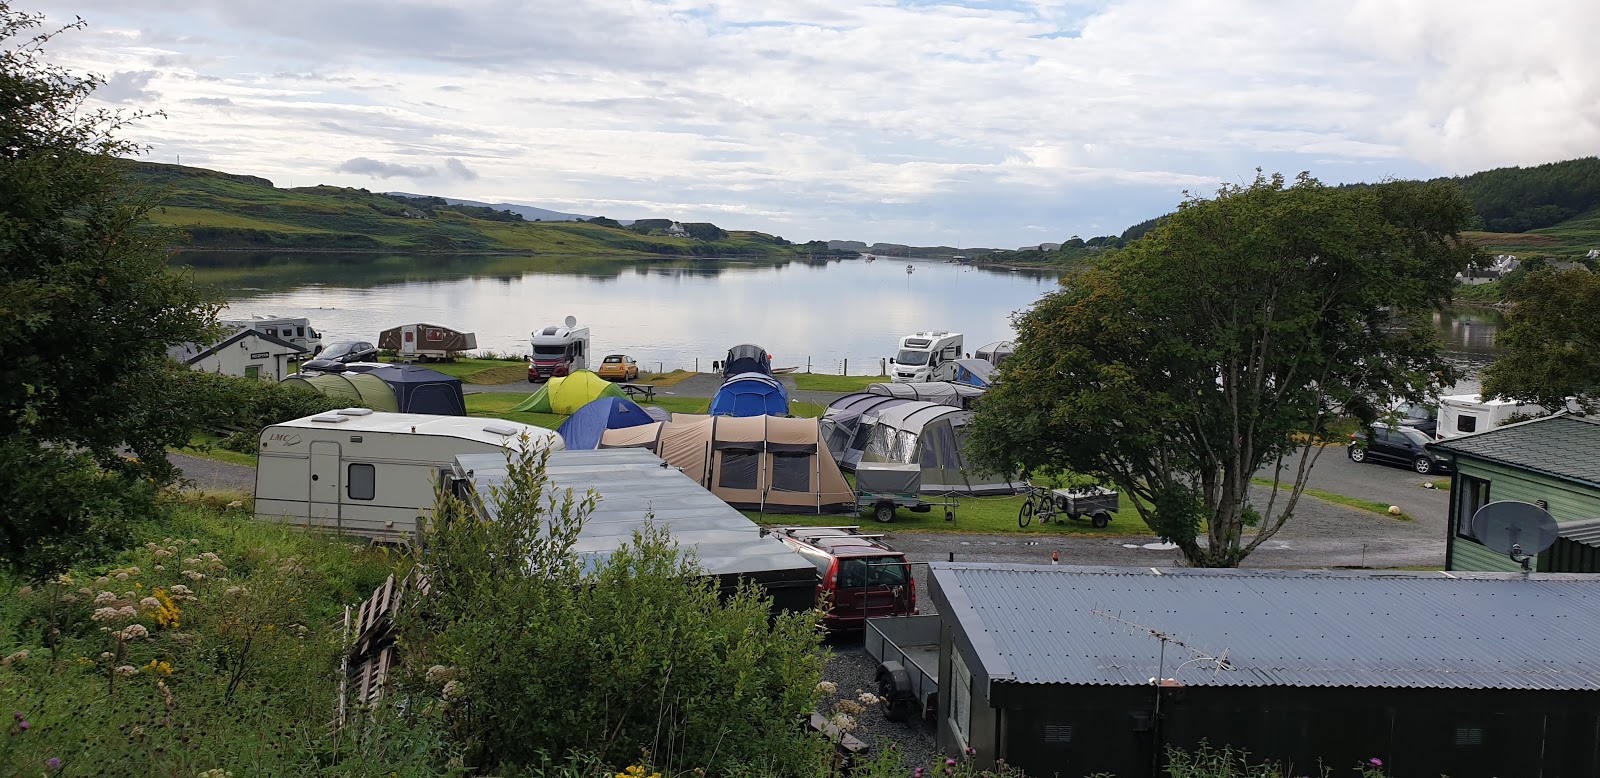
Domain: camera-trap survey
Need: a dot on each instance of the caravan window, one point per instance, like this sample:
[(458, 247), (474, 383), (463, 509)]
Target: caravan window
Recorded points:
[(791, 472), (1470, 495), (930, 452), (1465, 423), (739, 469), (362, 480), (300, 332)]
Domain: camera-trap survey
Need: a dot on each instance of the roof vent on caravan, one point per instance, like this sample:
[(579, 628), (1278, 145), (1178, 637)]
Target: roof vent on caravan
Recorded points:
[(550, 330), (500, 429), (330, 418), (355, 412)]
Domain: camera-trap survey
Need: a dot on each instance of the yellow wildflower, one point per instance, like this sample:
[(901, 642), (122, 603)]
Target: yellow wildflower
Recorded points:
[(157, 666)]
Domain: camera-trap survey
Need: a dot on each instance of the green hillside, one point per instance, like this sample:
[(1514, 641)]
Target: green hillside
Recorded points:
[(226, 211)]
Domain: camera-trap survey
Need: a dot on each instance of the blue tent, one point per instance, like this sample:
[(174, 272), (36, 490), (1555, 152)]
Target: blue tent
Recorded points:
[(746, 358), (582, 430), (420, 390), (750, 394)]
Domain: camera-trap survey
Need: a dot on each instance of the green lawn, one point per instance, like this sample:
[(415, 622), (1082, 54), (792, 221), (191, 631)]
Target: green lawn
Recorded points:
[(817, 382), (204, 446), (464, 368), (975, 514)]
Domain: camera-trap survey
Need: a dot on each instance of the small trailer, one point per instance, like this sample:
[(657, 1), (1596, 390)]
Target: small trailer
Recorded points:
[(422, 342), (881, 487), (1096, 502), (906, 649)]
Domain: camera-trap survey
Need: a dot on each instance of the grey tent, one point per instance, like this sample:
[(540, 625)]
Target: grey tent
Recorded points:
[(942, 392), (933, 436), (847, 421)]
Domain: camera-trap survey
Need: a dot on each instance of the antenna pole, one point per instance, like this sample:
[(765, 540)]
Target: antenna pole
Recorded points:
[(1155, 719)]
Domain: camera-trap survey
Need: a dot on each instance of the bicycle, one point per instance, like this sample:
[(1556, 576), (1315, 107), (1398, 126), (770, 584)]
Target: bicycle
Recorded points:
[(1039, 503)]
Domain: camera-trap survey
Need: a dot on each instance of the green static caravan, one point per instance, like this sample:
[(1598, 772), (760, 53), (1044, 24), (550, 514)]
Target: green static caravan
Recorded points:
[(1553, 462)]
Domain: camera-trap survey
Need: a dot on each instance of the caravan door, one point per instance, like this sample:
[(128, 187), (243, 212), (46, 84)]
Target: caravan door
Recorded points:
[(324, 484), (408, 340)]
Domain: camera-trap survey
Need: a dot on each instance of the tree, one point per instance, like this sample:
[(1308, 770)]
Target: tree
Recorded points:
[(88, 305), (704, 231), (1552, 341), (1179, 366)]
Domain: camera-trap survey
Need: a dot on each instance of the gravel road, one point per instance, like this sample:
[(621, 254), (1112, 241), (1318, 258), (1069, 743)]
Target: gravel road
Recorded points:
[(210, 475)]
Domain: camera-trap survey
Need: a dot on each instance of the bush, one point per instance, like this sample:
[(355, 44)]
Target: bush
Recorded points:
[(239, 407), (57, 506), (638, 655)]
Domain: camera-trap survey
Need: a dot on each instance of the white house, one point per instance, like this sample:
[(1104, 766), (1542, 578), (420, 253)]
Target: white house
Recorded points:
[(1594, 254), (677, 231), (244, 353)]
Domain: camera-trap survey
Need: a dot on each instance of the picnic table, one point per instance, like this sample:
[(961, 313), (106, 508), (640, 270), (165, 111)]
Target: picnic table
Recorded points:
[(634, 390)]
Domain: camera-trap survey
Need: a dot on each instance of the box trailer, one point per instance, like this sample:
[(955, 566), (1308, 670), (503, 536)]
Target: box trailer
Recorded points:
[(369, 473), (422, 342)]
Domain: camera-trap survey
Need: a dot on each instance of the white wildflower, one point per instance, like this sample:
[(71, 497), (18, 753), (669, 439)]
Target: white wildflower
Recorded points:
[(869, 699), (127, 670), (192, 561), (151, 603), (102, 581), (122, 576), (193, 575), (180, 591), (232, 590), (104, 614), (104, 597), (215, 772), (134, 632), (160, 567), (235, 505), (65, 579), (162, 553), (827, 688), (210, 557), (452, 690), (133, 571), (13, 658), (107, 655), (844, 722), (67, 598), (86, 591)]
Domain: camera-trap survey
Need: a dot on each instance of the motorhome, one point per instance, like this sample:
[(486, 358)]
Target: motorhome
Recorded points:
[(296, 331), (1464, 414), (926, 356), (370, 473), (558, 351)]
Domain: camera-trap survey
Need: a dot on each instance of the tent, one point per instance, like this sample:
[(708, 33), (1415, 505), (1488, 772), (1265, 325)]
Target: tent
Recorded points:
[(974, 372), (933, 436), (850, 416), (582, 430), (767, 463), (567, 394), (996, 352), (751, 394), (352, 389), (942, 392), (746, 358), (420, 390)]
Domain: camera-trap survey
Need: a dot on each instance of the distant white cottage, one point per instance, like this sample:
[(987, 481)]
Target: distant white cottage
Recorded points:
[(245, 353), (677, 231), (1593, 254)]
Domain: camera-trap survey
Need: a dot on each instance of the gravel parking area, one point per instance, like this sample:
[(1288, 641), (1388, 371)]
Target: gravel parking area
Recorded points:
[(210, 475)]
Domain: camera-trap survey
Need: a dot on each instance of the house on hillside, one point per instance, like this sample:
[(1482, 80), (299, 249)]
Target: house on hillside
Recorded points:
[(1553, 462), (246, 352), (1066, 670), (413, 214), (1593, 254), (676, 231)]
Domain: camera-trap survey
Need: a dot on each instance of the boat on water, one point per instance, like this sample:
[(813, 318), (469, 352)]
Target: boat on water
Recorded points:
[(868, 257), (961, 259)]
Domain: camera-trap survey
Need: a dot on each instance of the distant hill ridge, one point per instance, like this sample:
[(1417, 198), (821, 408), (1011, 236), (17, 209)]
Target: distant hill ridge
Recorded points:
[(529, 212)]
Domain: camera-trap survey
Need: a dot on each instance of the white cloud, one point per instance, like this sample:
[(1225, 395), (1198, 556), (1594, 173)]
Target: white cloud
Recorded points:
[(877, 120)]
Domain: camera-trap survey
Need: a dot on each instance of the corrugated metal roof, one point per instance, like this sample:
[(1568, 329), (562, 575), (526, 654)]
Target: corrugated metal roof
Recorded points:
[(1027, 624), (1586, 532), (632, 484), (1562, 446)]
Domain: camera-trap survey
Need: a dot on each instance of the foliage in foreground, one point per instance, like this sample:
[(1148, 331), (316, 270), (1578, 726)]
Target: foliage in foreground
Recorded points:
[(1185, 363), (240, 407), (1552, 342), (545, 652)]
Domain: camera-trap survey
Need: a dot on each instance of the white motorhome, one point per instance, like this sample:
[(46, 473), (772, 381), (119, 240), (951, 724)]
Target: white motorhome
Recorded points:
[(926, 356), (1464, 414), (296, 331), (558, 351), (369, 473)]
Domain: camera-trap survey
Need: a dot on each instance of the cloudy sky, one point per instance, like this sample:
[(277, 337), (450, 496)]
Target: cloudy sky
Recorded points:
[(967, 122)]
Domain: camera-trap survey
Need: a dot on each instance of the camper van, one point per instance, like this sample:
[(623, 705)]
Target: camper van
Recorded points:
[(558, 351), (370, 473), (296, 331), (926, 356), (1464, 414)]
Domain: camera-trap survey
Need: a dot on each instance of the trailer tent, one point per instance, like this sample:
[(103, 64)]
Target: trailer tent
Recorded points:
[(751, 394), (426, 340), (746, 358), (933, 436), (355, 389), (943, 392), (974, 372), (997, 352), (420, 390), (766, 463), (583, 429), (850, 417), (567, 394)]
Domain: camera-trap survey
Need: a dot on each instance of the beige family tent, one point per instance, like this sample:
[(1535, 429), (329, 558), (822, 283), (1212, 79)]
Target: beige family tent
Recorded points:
[(766, 463)]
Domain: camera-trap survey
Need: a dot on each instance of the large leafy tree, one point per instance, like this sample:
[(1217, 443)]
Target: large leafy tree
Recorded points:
[(88, 306), (1552, 340), (1215, 346)]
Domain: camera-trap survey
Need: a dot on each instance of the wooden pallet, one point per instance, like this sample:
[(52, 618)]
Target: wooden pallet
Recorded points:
[(369, 631)]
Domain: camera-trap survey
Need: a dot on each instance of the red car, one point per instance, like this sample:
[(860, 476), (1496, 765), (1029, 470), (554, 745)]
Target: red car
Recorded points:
[(860, 577)]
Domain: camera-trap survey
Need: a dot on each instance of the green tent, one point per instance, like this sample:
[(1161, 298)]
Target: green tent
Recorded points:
[(566, 395), (353, 389)]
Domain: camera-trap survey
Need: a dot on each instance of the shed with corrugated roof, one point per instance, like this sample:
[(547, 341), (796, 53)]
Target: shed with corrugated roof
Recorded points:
[(1080, 670)]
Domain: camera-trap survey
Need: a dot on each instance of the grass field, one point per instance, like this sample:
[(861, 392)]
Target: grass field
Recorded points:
[(204, 446), (1568, 240), (817, 382)]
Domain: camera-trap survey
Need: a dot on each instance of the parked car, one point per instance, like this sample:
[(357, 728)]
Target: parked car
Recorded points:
[(336, 355), (1420, 417), (861, 577), (619, 367), (1396, 445)]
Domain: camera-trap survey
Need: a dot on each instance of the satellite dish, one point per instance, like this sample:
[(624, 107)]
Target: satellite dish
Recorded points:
[(572, 321), (1517, 529)]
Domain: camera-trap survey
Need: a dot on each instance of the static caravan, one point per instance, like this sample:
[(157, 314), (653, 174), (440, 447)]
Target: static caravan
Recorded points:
[(369, 473), (1464, 414), (423, 342)]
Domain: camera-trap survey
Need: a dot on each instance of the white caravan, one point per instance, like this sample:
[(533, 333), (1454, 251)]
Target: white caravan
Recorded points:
[(1464, 414), (296, 331), (369, 473), (926, 356), (558, 351)]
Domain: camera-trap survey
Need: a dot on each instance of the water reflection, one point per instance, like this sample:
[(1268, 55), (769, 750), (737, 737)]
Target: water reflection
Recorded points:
[(668, 311)]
